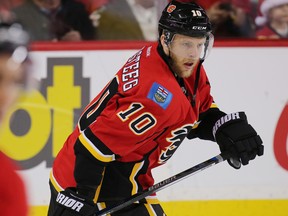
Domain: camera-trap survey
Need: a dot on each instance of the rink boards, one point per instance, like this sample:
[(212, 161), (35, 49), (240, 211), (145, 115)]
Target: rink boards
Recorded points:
[(252, 78)]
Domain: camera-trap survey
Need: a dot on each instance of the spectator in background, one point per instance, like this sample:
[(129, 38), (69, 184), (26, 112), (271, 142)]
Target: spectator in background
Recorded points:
[(8, 4), (13, 77), (229, 18), (65, 20), (92, 5), (130, 20), (94, 8), (273, 24)]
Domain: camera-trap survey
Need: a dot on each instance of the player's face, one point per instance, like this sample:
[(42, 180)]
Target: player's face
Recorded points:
[(11, 83), (185, 52)]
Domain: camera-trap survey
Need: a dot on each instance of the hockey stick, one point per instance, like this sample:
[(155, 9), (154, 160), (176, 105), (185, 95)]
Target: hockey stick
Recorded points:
[(163, 184)]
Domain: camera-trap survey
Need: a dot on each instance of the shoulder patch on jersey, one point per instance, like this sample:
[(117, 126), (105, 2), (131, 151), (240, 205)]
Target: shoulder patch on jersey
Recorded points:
[(160, 95)]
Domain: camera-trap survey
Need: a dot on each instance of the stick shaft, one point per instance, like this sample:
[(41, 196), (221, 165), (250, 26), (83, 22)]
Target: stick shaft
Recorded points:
[(163, 184)]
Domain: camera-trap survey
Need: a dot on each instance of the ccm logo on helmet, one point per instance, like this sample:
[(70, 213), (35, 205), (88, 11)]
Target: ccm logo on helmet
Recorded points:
[(69, 202), (199, 27)]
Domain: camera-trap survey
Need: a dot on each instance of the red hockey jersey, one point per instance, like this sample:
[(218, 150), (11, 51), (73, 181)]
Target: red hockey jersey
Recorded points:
[(13, 199), (134, 124)]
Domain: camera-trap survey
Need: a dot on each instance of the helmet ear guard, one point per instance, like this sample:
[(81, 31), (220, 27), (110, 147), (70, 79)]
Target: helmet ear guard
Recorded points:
[(168, 36)]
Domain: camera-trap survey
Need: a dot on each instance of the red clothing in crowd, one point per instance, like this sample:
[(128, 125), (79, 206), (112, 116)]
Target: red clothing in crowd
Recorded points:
[(267, 33), (8, 4), (206, 4), (13, 200), (92, 5)]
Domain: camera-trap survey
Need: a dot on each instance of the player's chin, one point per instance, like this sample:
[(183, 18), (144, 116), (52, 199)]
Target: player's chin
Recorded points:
[(186, 73)]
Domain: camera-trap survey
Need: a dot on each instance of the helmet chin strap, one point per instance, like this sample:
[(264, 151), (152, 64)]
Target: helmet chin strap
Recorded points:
[(168, 38), (196, 83)]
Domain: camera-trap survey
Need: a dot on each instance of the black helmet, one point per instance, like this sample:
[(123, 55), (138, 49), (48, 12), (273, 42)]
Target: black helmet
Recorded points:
[(14, 39), (186, 19)]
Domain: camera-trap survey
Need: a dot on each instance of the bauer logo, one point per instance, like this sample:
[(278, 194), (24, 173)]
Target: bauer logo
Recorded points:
[(160, 95)]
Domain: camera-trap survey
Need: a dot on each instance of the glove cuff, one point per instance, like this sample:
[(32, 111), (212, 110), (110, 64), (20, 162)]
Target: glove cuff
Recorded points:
[(228, 119), (86, 191), (75, 204)]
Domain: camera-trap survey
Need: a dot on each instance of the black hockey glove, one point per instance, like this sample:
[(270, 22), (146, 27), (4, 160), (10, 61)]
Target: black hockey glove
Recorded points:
[(238, 138), (70, 203)]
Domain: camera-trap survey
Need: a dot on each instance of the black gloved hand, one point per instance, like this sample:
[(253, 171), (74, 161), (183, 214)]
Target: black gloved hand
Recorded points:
[(238, 138), (70, 203)]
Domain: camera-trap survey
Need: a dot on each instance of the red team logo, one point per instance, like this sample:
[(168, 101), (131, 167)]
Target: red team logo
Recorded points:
[(171, 8), (178, 136), (280, 139)]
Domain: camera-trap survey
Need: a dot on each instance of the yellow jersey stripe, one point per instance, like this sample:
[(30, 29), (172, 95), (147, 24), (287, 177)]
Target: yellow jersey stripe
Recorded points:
[(150, 210), (152, 200), (99, 187), (94, 151), (101, 206), (54, 182), (213, 105), (134, 172)]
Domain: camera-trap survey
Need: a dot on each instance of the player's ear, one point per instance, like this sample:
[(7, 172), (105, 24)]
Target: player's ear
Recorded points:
[(163, 40), (164, 44)]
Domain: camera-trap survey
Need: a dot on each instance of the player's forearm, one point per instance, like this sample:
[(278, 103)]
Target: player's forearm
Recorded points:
[(207, 121)]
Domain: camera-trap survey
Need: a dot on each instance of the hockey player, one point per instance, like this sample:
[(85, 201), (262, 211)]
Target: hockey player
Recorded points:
[(13, 79), (159, 97)]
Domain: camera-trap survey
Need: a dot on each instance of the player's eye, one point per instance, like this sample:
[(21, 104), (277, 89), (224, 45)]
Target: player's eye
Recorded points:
[(200, 45), (187, 45)]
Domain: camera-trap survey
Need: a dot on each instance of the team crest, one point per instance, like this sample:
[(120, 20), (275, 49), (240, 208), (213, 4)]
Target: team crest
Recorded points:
[(171, 8), (176, 139), (160, 95)]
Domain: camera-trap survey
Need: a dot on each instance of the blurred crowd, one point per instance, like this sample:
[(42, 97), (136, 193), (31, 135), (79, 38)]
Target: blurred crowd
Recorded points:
[(76, 20)]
